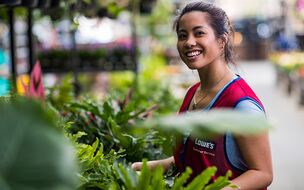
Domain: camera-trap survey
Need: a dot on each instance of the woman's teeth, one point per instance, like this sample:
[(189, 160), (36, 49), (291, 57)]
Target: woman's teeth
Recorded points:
[(194, 53)]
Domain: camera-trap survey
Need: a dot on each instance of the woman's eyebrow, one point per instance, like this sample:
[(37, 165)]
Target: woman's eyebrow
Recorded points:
[(182, 30), (198, 27), (194, 28)]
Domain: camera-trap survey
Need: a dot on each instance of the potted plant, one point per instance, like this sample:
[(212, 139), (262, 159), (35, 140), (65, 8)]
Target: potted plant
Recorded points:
[(10, 2), (29, 3)]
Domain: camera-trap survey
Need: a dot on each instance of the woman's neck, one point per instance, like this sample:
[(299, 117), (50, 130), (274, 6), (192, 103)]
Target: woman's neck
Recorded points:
[(212, 75)]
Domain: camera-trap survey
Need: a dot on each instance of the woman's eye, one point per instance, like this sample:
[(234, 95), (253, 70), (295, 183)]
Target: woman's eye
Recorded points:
[(181, 36), (200, 33)]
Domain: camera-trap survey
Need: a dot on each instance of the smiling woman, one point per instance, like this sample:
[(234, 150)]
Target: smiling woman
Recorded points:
[(204, 35)]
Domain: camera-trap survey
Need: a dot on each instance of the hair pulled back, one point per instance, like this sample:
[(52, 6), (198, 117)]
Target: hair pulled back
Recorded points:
[(217, 19)]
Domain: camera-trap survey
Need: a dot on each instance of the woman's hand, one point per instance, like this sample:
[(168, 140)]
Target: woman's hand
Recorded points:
[(165, 163), (136, 166)]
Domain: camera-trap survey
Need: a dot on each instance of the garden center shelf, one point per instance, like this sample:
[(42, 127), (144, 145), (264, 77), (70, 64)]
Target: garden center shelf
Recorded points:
[(87, 67), (89, 58), (119, 60), (30, 5)]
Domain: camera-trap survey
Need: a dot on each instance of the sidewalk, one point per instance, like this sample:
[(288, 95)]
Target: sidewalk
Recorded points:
[(286, 138)]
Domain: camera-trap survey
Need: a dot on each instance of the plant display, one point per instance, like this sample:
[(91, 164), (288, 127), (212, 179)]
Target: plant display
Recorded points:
[(291, 64), (288, 61), (290, 68), (96, 168), (105, 123)]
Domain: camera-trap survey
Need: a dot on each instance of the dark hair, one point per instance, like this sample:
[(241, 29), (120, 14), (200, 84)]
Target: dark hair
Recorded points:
[(217, 19)]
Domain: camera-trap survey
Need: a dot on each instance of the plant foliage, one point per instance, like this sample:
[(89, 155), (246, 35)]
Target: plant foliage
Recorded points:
[(36, 155), (105, 122), (154, 180), (33, 153)]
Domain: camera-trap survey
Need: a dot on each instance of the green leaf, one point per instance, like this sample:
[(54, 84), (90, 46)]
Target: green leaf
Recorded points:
[(86, 105), (123, 175), (221, 182), (181, 180), (108, 111), (67, 126), (95, 145), (202, 179), (34, 154), (145, 176), (123, 140), (206, 124), (94, 176), (158, 178), (234, 186), (76, 136), (123, 116)]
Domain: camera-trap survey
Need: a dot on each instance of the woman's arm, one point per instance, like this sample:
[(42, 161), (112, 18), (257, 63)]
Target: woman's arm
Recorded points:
[(256, 151), (257, 154), (153, 164)]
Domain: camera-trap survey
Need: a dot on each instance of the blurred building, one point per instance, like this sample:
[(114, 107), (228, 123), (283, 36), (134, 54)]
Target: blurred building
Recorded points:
[(256, 23)]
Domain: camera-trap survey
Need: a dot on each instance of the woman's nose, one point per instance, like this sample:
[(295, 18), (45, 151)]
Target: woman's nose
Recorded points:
[(190, 42)]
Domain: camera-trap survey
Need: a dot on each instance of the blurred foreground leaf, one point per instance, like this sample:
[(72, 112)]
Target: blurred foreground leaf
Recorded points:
[(34, 154), (206, 124)]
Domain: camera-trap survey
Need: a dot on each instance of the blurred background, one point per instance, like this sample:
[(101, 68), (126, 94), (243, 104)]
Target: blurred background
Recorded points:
[(108, 45)]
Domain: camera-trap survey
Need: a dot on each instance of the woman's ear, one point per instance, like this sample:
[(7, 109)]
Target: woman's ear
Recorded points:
[(223, 39)]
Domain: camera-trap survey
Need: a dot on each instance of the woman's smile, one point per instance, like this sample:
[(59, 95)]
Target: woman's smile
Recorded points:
[(193, 54)]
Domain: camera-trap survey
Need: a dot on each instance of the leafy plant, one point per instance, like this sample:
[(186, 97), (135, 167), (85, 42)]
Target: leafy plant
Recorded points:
[(94, 168), (207, 124), (105, 123), (155, 180), (33, 153), (61, 93), (34, 136), (104, 120), (97, 170)]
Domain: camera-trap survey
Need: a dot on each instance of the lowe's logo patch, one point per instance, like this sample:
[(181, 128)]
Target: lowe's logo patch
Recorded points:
[(205, 144)]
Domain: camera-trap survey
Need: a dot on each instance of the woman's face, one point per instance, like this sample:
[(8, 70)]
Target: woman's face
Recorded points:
[(197, 44)]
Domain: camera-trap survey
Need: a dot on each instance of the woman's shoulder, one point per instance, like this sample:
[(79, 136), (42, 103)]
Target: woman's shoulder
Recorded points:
[(249, 106)]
